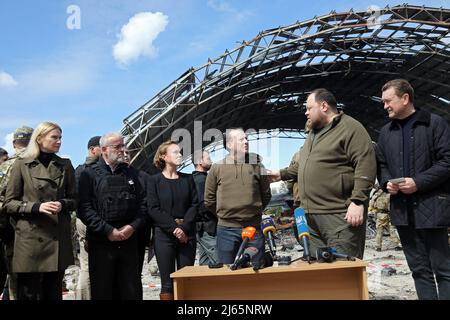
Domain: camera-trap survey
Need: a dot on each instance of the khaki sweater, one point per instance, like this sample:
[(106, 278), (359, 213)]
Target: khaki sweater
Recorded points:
[(237, 193), (336, 166)]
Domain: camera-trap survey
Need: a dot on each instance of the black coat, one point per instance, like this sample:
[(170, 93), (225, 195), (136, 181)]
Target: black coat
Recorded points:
[(97, 228), (429, 167), (206, 220)]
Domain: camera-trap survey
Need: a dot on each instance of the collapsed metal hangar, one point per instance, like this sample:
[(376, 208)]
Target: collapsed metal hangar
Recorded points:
[(263, 83)]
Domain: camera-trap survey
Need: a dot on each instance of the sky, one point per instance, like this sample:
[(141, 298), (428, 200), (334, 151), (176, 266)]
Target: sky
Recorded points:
[(88, 64)]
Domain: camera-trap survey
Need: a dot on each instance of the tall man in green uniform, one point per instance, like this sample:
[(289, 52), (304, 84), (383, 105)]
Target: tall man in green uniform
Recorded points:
[(336, 171), (21, 138)]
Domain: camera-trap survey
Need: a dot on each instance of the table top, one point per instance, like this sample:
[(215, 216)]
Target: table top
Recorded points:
[(297, 266)]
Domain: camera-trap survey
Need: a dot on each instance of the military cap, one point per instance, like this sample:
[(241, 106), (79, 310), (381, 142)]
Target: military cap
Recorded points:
[(23, 133)]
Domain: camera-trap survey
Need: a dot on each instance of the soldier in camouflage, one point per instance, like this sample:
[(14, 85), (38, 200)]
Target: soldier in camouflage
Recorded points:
[(3, 155), (379, 204), (21, 139)]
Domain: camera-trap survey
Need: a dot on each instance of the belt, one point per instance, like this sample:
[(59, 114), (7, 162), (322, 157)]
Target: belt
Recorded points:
[(178, 221)]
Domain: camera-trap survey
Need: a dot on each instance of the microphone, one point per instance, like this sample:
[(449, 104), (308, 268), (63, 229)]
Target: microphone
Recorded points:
[(268, 228), (303, 231), (329, 254), (342, 255), (247, 256), (247, 235), (265, 261)]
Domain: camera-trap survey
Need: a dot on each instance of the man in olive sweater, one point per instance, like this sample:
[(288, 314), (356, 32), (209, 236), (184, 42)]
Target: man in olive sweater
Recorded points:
[(237, 192), (336, 171)]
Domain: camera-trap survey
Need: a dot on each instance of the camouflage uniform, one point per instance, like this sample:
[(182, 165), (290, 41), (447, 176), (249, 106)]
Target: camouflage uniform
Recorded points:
[(7, 230), (380, 203), (6, 222)]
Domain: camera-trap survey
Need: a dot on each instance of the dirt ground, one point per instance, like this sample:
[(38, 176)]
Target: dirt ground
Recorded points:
[(383, 283)]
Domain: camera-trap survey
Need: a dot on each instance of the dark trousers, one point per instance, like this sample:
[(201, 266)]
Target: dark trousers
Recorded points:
[(114, 270), (168, 251), (3, 268), (229, 240), (40, 285), (143, 236), (428, 255), (332, 230)]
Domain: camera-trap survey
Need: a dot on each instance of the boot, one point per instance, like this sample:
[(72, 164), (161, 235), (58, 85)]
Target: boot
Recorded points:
[(166, 296)]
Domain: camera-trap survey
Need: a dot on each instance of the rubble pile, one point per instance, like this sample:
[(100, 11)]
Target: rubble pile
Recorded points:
[(388, 274)]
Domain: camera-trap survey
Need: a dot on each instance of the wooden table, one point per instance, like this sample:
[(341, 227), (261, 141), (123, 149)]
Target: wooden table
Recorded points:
[(300, 280)]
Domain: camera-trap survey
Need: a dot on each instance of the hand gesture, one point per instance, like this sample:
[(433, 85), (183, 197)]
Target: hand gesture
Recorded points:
[(355, 214), (52, 207)]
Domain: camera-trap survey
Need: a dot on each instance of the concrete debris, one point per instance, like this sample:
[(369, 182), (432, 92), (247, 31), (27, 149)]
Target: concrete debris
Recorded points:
[(388, 275), (388, 271), (154, 271)]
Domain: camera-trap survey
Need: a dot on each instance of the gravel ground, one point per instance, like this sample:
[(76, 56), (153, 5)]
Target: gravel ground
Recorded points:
[(383, 282)]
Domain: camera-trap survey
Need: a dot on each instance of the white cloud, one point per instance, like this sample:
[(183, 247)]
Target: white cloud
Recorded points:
[(137, 37), (8, 146), (6, 80)]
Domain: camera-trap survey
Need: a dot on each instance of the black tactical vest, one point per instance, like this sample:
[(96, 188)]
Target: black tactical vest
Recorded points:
[(116, 196)]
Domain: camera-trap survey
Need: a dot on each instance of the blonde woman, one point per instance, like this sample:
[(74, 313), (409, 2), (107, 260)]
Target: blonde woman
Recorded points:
[(39, 197), (173, 208)]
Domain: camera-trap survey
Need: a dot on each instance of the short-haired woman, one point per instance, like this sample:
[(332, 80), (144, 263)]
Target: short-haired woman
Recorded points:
[(39, 196), (173, 208)]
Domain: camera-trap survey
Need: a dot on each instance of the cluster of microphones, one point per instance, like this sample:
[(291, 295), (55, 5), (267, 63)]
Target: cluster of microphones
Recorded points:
[(248, 256)]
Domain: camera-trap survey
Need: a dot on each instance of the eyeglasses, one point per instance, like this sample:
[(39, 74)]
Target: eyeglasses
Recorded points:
[(117, 146)]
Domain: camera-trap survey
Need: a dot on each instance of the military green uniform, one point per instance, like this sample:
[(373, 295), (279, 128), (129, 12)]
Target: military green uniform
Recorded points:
[(292, 184), (336, 167), (7, 230), (380, 203)]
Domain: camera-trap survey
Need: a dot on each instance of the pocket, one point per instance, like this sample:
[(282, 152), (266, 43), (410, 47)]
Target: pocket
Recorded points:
[(25, 227), (442, 208)]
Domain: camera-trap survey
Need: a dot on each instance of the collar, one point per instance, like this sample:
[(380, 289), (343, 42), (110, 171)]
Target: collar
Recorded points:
[(336, 119), (90, 160), (422, 116), (195, 172), (120, 167), (55, 158)]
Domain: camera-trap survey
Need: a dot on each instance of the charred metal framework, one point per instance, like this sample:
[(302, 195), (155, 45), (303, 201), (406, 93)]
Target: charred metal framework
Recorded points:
[(263, 83)]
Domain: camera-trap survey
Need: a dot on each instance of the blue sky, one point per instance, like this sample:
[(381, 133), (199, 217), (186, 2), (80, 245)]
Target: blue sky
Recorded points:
[(77, 79)]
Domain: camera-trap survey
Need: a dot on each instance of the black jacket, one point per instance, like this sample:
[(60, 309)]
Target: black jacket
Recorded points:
[(81, 167), (98, 228), (165, 206), (429, 167), (206, 220)]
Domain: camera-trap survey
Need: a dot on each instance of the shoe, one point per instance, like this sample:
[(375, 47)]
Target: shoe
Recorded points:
[(378, 249), (166, 296), (398, 248)]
